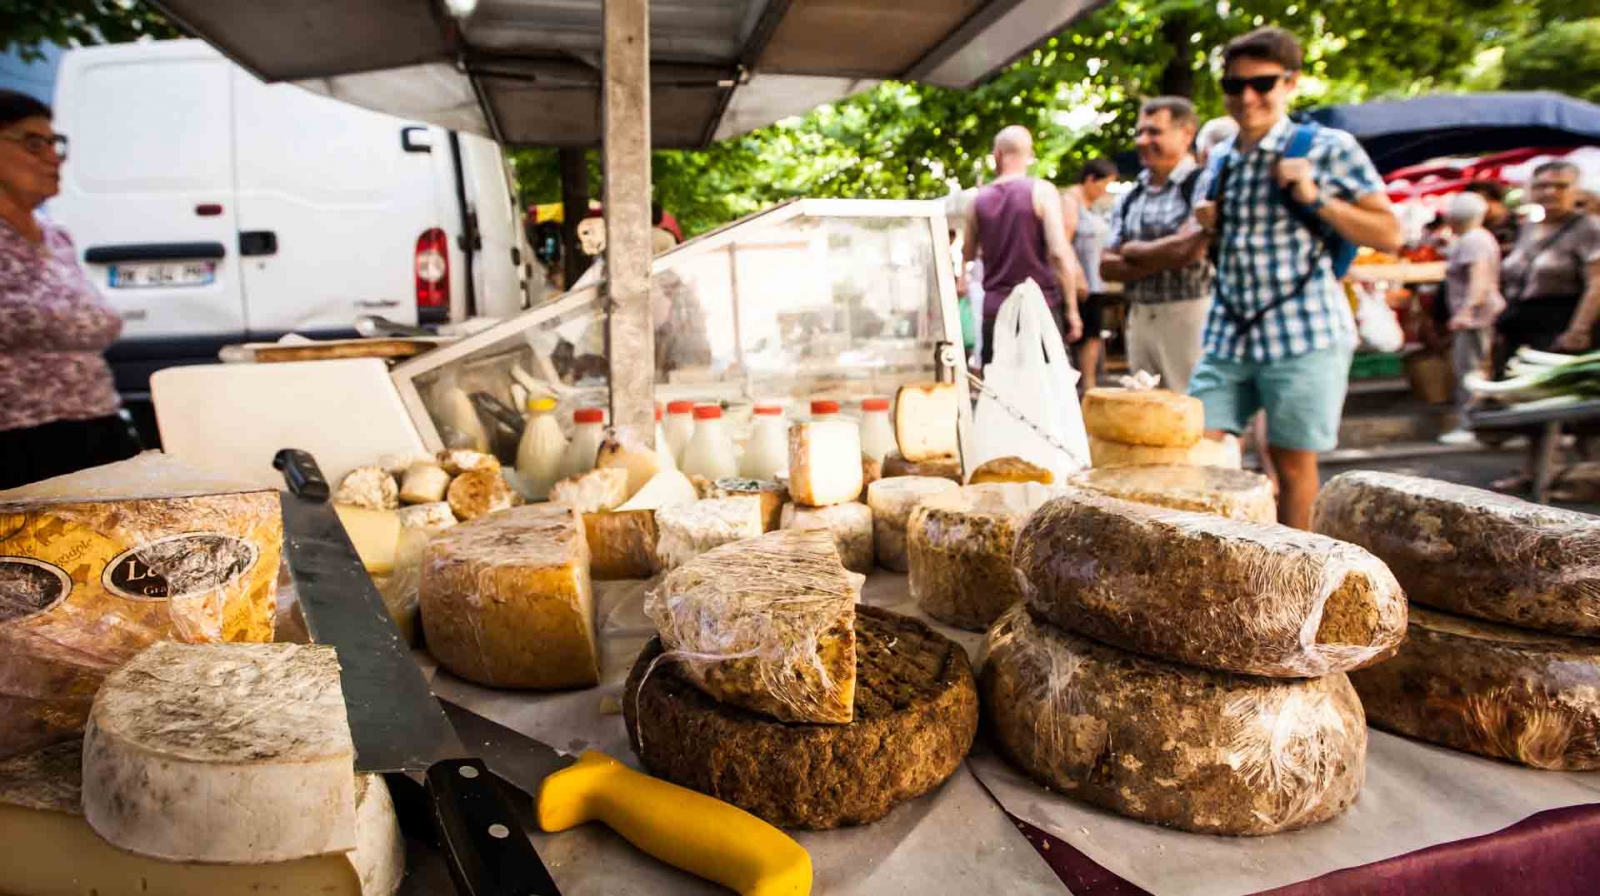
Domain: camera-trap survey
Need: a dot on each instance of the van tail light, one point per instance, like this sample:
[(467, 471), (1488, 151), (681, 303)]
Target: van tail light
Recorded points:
[(432, 266)]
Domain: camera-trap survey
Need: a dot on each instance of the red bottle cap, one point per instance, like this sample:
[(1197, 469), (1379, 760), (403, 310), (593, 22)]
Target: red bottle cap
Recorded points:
[(589, 415), (875, 404), (680, 407), (708, 412), (824, 407), (769, 410), (658, 413)]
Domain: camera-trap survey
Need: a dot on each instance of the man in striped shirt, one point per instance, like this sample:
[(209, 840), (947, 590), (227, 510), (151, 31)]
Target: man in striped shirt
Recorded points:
[(1280, 334)]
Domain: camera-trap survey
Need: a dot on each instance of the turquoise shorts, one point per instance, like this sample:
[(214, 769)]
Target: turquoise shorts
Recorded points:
[(1303, 396)]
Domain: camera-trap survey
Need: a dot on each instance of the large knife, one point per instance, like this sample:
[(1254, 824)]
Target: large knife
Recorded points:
[(397, 724)]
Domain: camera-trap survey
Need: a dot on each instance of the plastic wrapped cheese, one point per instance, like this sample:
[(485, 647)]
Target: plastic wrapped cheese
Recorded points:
[(894, 465), (1471, 551), (1155, 418), (1168, 744), (849, 524), (892, 501), (1215, 593), (507, 600), (959, 548), (1236, 494), (685, 531), (1490, 689), (100, 564), (622, 544), (767, 624)]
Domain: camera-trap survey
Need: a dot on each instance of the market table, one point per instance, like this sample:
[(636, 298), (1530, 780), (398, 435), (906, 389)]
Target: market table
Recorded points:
[(1429, 820), (1549, 424)]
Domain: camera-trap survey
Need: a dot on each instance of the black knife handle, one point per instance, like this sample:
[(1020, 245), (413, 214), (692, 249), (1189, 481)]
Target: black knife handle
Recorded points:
[(484, 843), (301, 472)]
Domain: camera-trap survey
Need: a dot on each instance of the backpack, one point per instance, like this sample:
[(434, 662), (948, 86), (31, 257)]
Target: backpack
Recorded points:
[(1185, 186)]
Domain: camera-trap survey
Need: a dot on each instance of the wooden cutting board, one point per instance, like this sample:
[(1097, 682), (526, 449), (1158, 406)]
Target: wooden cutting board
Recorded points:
[(234, 417)]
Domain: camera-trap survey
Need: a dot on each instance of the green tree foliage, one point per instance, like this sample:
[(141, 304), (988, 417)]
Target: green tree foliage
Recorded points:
[(25, 24), (1564, 57)]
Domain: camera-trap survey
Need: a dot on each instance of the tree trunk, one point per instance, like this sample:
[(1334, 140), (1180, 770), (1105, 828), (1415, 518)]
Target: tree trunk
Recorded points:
[(574, 205), (1178, 78)]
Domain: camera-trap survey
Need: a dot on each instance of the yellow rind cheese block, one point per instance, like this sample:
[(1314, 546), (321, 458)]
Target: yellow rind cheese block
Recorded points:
[(52, 851), (767, 624), (1155, 418), (97, 565), (926, 418), (622, 544), (375, 533), (507, 600), (1204, 453), (1011, 469)]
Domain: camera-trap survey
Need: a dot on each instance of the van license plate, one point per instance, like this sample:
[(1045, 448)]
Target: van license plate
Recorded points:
[(159, 274)]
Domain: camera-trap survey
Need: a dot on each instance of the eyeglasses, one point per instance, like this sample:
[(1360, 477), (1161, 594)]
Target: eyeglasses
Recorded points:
[(1262, 84), (1556, 185), (36, 144)]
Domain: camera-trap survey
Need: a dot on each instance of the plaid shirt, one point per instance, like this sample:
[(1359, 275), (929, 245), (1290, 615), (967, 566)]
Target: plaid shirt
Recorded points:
[(1263, 252), (1155, 213)]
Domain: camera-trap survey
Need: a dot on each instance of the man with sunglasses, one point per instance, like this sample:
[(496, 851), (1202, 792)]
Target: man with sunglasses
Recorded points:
[(1278, 205)]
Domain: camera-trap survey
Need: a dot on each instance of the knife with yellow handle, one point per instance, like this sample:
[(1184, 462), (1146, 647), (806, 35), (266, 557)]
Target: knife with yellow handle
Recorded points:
[(686, 829)]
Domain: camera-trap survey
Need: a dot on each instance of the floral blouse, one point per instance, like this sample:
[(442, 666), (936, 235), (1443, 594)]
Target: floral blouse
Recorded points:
[(53, 328)]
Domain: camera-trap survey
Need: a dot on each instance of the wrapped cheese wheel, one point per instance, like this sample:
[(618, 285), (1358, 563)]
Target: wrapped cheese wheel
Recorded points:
[(1204, 453), (1155, 418), (959, 548), (1236, 494), (892, 501), (849, 524), (1216, 593)]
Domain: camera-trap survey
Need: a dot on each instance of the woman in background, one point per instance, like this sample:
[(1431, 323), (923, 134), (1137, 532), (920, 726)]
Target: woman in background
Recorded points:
[(1472, 288), (1088, 231), (59, 411)]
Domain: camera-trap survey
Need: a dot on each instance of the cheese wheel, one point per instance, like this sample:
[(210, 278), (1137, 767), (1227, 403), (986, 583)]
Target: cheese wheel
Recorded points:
[(686, 531), (1470, 551), (52, 851), (944, 467), (1235, 494), (824, 463), (1490, 689), (622, 544), (1155, 418), (926, 419), (424, 483), (640, 462), (427, 516), (1011, 469), (1204, 453), (892, 501), (374, 533), (849, 524), (234, 753), (369, 487), (479, 492), (602, 488), (460, 460), (507, 600), (1168, 744), (1216, 593), (767, 624), (773, 496), (959, 547)]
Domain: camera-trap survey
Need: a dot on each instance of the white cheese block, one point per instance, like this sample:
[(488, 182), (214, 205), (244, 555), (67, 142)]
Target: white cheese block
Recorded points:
[(850, 524), (424, 483), (641, 462), (1156, 418), (824, 463), (233, 753), (925, 421), (374, 534), (892, 501), (602, 488), (50, 850), (507, 600), (767, 624), (665, 489), (958, 550), (369, 487), (427, 516), (685, 531)]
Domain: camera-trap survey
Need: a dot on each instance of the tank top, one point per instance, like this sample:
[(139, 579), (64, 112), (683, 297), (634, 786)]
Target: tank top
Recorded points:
[(1088, 242), (1011, 238)]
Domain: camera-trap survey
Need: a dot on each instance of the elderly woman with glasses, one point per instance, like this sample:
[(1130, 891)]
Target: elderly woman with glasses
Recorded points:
[(59, 411), (1472, 288)]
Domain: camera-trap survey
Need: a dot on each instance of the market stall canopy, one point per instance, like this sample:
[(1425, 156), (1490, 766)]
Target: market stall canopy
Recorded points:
[(527, 72), (1407, 132)]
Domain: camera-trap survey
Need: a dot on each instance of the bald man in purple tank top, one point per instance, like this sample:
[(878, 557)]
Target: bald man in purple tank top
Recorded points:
[(1016, 224)]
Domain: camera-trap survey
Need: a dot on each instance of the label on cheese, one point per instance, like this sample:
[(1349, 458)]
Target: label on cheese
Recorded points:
[(767, 624), (507, 600), (98, 565)]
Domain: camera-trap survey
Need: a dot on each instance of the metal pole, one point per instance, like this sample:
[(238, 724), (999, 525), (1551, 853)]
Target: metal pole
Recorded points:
[(625, 116)]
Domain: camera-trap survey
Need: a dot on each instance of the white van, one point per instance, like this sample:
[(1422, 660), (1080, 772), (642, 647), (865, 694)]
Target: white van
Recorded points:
[(211, 208)]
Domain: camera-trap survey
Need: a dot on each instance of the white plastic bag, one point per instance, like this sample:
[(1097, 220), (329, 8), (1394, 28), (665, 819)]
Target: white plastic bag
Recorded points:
[(1032, 377), (1376, 322)]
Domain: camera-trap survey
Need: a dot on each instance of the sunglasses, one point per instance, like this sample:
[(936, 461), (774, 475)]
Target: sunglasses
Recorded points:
[(1262, 84), (36, 144)]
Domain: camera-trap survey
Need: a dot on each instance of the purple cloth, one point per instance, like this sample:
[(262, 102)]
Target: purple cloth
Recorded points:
[(1011, 240)]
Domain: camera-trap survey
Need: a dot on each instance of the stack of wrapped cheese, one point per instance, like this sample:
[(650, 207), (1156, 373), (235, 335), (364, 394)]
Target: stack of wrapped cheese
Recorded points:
[(825, 487), (1136, 424), (1503, 653), (770, 687), (1187, 669)]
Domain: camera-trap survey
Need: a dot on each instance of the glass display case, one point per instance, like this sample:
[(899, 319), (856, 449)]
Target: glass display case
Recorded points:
[(814, 299)]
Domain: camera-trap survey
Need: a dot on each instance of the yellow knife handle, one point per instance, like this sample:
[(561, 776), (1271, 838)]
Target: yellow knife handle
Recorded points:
[(689, 830)]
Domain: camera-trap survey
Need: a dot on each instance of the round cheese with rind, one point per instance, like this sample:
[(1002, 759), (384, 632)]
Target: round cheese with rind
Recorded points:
[(369, 487), (849, 524), (959, 550), (892, 501), (1204, 453), (1168, 744), (895, 466), (479, 492), (1156, 418), (1236, 494)]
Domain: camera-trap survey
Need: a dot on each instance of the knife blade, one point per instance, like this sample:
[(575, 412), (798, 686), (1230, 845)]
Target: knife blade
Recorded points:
[(397, 724)]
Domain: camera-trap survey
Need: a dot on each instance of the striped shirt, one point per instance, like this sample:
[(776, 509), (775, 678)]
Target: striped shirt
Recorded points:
[(1157, 212), (1263, 252)]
